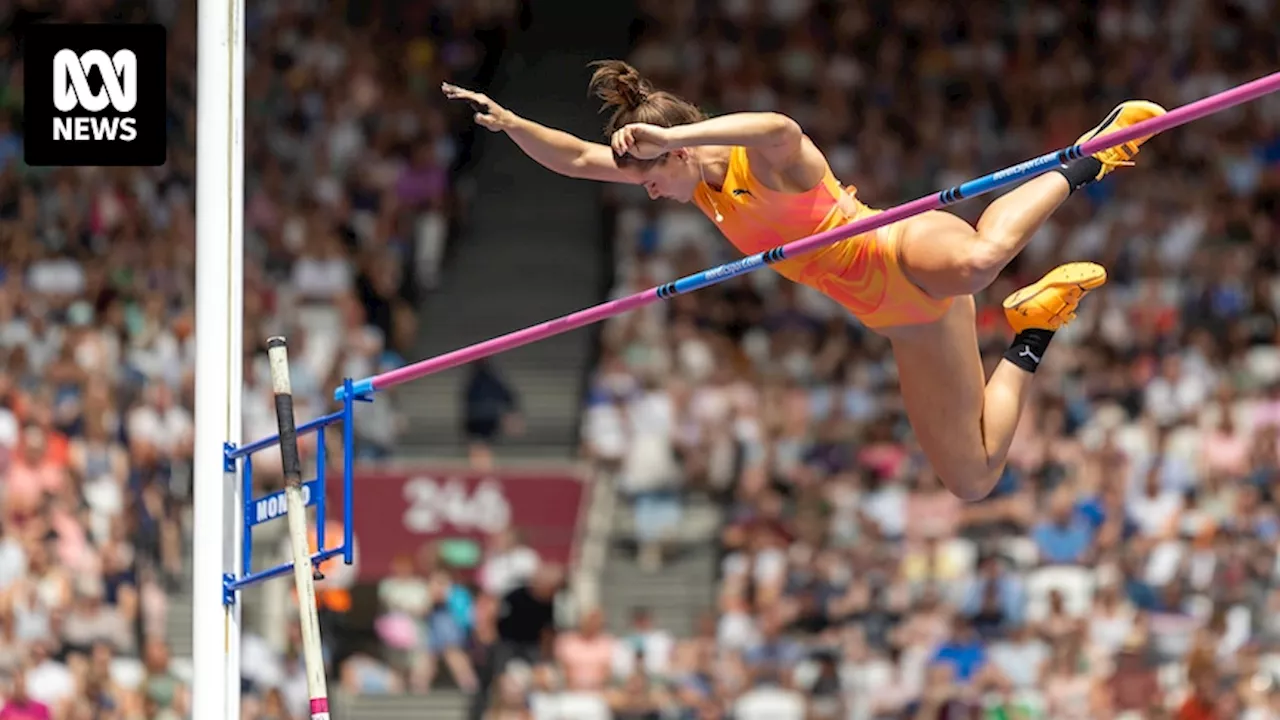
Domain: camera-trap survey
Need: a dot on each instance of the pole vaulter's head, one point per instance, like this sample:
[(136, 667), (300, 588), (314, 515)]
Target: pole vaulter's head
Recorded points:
[(633, 100)]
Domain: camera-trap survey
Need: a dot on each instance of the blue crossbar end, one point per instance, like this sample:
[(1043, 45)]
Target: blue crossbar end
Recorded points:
[(362, 390)]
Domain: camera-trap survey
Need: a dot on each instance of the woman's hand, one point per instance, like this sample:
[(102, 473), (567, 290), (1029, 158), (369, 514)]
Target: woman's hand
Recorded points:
[(641, 141), (489, 114)]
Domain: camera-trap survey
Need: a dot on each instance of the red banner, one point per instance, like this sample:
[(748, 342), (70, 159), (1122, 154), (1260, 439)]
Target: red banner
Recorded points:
[(397, 512)]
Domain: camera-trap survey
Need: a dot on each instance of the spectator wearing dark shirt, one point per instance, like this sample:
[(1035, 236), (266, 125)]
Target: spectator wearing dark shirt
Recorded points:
[(525, 629), (490, 406)]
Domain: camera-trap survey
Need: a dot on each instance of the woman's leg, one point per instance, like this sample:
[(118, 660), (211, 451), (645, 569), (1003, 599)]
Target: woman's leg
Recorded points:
[(945, 257), (963, 421)]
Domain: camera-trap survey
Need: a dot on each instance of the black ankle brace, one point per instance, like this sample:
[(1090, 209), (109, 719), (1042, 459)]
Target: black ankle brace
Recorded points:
[(1028, 348), (1080, 172)]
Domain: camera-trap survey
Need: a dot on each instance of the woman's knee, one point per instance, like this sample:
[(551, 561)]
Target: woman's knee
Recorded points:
[(972, 480), (947, 257), (980, 263)]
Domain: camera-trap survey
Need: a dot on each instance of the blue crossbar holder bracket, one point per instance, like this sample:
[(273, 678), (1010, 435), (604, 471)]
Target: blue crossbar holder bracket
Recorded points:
[(257, 511)]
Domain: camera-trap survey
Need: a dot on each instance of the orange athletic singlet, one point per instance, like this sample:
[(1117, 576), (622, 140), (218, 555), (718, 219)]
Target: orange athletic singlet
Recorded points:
[(862, 273)]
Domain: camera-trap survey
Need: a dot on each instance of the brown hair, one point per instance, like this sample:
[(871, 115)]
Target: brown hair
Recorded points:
[(633, 99)]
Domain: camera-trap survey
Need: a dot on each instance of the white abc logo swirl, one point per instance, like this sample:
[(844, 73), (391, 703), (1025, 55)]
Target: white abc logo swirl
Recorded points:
[(71, 81)]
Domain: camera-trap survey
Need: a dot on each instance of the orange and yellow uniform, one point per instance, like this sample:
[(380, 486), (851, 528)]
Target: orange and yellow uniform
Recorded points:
[(862, 273)]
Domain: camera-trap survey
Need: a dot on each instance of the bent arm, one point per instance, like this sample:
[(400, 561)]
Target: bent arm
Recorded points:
[(562, 152), (776, 137)]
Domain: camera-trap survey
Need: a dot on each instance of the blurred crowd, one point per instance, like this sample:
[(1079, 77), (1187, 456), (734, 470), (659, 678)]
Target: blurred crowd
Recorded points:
[(350, 202), (1126, 564)]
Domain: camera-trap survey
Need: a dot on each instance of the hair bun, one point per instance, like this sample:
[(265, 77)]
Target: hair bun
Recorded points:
[(619, 84)]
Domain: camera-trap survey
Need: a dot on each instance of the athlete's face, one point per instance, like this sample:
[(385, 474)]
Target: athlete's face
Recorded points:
[(675, 178)]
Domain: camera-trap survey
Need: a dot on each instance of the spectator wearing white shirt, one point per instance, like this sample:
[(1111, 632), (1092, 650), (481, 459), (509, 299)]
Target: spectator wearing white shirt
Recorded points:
[(651, 475), (322, 273), (1154, 509), (13, 557), (1173, 395), (768, 702), (56, 276), (160, 424), (48, 680), (643, 647), (508, 564), (405, 599)]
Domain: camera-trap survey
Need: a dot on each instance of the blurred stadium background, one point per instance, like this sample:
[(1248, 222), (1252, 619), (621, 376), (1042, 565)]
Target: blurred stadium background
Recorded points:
[(709, 509)]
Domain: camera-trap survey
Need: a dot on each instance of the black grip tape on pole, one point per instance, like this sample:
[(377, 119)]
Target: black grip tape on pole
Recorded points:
[(279, 362), (289, 459)]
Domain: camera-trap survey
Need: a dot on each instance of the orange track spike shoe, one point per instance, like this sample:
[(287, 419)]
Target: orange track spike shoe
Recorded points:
[(1051, 303), (1126, 114)]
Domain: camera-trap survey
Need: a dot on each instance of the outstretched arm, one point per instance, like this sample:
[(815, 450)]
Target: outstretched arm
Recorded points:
[(556, 150), (563, 152)]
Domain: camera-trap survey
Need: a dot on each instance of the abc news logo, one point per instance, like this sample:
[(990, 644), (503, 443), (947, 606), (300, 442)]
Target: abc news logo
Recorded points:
[(71, 90), (95, 95)]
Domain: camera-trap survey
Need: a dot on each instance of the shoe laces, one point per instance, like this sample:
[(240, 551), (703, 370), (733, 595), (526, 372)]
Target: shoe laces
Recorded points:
[(1060, 321), (1113, 164), (1074, 296), (1119, 156)]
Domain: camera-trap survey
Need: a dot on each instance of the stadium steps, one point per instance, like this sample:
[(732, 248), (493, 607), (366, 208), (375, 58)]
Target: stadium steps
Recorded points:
[(550, 400), (439, 705), (532, 249), (178, 623), (678, 593)]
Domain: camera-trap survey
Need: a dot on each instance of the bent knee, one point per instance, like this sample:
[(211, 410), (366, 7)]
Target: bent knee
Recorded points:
[(979, 263), (971, 481), (965, 262)]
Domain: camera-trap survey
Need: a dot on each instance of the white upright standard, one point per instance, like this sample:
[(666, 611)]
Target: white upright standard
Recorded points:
[(219, 340)]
